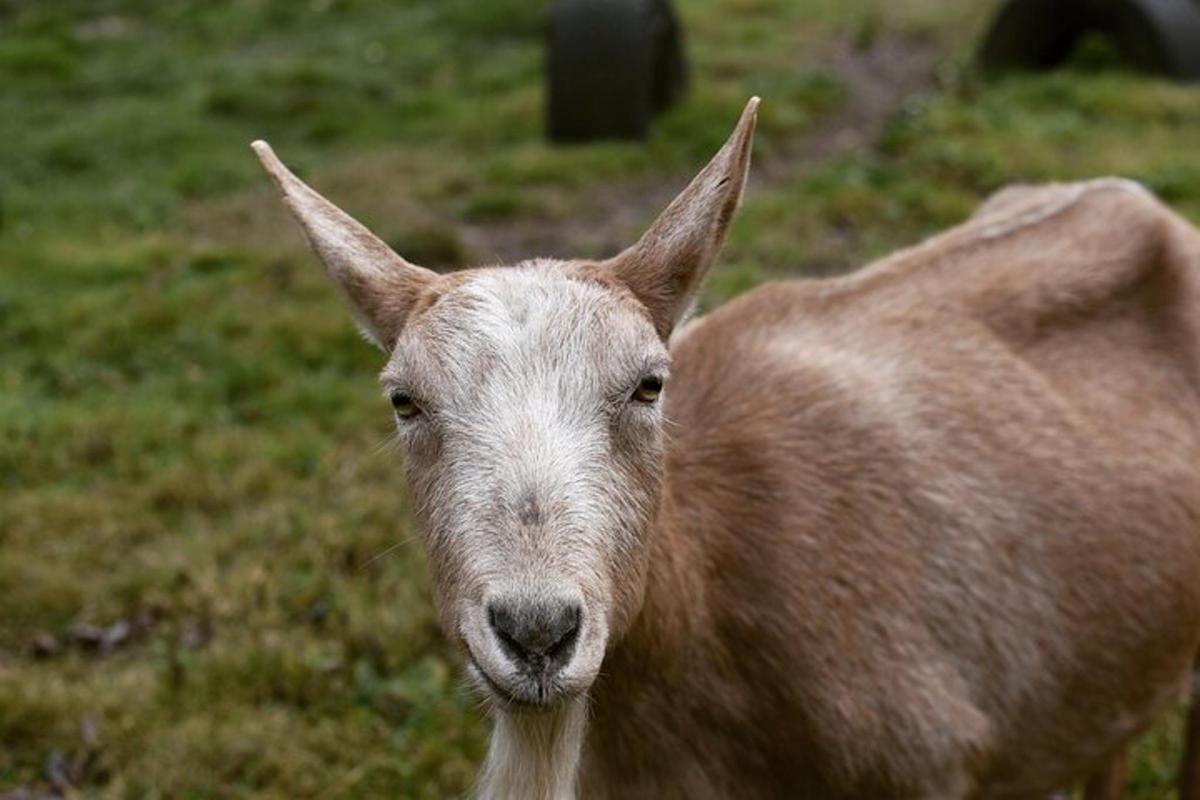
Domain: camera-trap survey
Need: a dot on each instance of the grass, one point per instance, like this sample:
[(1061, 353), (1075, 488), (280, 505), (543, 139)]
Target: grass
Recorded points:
[(190, 433)]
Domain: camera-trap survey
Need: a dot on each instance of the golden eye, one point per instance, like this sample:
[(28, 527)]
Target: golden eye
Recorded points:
[(405, 407), (648, 389)]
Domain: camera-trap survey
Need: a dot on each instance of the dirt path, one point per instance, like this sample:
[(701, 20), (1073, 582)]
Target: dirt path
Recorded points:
[(602, 219), (878, 80)]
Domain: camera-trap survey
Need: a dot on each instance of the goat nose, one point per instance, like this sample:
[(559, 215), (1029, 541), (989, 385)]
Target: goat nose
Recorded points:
[(539, 636)]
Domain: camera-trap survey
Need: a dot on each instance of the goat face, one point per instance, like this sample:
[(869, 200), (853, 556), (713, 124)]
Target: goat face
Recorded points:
[(528, 401)]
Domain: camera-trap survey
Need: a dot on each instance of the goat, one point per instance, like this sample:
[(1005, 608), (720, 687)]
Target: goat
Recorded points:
[(929, 530)]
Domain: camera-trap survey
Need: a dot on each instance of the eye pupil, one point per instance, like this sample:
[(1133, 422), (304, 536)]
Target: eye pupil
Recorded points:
[(648, 389), (404, 405)]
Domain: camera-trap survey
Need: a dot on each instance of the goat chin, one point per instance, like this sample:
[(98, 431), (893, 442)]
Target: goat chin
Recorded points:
[(534, 756)]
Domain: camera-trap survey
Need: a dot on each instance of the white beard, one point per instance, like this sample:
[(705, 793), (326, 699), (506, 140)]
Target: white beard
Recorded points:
[(535, 756)]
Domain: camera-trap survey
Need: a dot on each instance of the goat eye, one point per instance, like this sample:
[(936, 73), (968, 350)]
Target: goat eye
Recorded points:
[(648, 389), (405, 407)]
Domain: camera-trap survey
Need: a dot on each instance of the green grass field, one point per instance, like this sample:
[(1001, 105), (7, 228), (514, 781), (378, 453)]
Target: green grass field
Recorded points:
[(194, 476)]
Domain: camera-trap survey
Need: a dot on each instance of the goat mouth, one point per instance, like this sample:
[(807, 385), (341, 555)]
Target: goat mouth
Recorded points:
[(542, 696)]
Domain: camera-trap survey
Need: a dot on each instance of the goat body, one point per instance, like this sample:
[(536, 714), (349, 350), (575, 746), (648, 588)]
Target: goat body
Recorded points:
[(929, 530)]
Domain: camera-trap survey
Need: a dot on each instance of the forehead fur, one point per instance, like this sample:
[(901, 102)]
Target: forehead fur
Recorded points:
[(536, 320)]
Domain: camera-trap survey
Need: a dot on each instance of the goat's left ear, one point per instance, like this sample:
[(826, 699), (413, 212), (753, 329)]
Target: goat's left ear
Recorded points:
[(666, 268), (382, 287)]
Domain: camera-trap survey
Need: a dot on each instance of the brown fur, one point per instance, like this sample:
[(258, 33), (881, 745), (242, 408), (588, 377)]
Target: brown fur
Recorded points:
[(1109, 782), (932, 529)]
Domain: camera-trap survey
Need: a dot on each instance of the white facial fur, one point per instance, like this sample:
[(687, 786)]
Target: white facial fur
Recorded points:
[(533, 468)]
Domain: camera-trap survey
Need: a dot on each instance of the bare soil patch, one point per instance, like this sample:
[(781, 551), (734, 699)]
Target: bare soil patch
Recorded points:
[(878, 78)]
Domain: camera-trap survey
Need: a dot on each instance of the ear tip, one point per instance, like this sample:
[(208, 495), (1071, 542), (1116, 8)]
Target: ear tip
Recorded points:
[(273, 166), (739, 140), (749, 118), (264, 152)]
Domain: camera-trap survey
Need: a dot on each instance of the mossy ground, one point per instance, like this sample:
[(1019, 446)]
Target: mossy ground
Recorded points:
[(193, 451)]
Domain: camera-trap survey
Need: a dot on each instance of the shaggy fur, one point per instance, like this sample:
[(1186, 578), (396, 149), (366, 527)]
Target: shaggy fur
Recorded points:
[(931, 530)]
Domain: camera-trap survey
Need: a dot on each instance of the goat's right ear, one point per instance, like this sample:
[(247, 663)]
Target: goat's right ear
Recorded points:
[(381, 286), (666, 268)]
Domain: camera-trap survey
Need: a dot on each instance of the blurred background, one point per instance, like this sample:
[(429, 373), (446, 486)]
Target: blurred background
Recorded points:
[(209, 586)]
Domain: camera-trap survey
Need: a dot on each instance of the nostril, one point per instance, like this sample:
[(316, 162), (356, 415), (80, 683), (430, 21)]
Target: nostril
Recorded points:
[(566, 631), (537, 635), (505, 625)]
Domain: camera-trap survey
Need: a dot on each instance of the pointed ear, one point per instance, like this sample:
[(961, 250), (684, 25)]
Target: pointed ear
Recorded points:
[(666, 268), (381, 286)]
